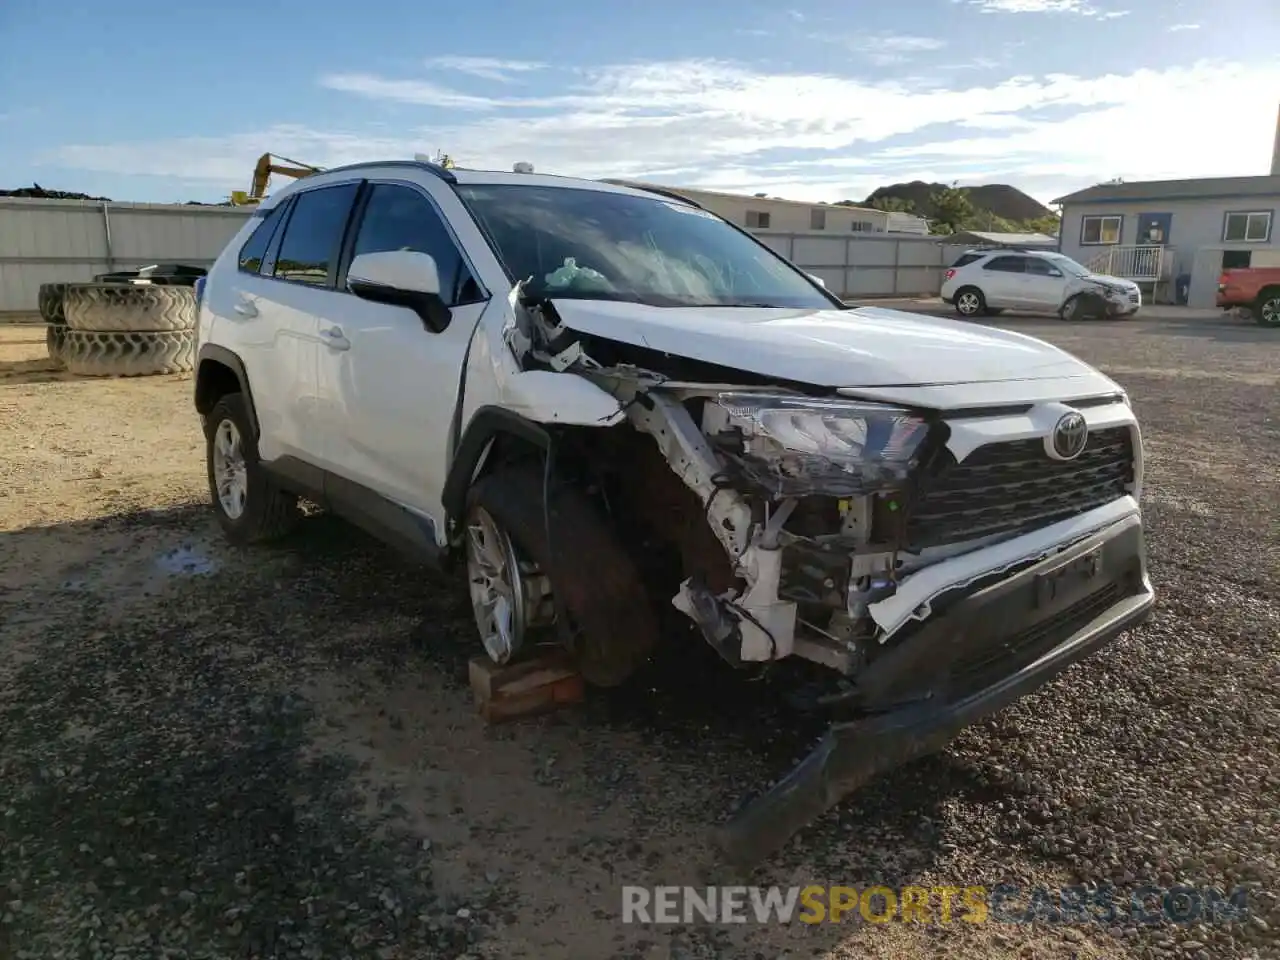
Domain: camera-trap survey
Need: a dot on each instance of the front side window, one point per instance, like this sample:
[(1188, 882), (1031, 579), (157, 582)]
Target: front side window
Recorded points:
[(1067, 265), (1254, 227), (589, 244), (398, 218), (313, 235), (1042, 268), (255, 248), (1100, 230)]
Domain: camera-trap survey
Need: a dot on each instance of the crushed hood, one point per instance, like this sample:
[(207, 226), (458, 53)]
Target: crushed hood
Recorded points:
[(864, 347), (1112, 283)]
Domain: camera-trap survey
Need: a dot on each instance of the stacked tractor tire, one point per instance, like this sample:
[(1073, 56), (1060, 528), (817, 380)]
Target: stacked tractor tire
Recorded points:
[(119, 329)]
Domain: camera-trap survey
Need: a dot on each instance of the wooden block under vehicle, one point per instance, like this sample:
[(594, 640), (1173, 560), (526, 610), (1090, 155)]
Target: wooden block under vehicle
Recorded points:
[(527, 688)]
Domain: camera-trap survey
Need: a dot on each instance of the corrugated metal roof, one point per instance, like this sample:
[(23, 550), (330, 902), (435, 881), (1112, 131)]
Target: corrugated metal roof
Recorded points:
[(1203, 189), (698, 191), (1002, 239)]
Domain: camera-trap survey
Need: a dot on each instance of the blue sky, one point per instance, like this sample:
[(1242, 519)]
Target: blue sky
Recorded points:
[(816, 99)]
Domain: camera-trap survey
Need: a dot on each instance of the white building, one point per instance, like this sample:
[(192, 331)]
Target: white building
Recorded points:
[(794, 216)]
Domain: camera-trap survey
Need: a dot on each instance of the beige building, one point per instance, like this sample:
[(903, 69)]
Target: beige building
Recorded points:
[(794, 216)]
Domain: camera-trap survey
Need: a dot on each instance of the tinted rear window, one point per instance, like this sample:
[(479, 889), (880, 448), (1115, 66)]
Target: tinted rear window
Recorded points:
[(255, 248), (966, 259)]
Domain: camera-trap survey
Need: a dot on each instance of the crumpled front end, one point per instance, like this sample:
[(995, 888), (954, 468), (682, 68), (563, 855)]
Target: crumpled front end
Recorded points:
[(938, 564)]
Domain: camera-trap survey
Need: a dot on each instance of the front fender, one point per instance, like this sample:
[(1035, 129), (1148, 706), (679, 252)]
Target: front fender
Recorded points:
[(560, 398)]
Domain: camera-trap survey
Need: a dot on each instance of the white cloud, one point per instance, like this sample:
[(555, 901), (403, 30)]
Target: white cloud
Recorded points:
[(1179, 27), (1081, 8), (806, 135), (406, 91), (883, 49), (487, 68)]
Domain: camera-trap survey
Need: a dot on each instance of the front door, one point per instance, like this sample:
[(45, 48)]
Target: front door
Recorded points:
[(389, 385), (1153, 229), (1044, 284)]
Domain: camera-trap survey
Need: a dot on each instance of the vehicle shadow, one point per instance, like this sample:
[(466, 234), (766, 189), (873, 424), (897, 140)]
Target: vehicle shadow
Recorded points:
[(38, 370), (146, 621)]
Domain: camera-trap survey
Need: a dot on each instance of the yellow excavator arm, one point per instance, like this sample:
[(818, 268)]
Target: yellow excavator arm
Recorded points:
[(262, 172)]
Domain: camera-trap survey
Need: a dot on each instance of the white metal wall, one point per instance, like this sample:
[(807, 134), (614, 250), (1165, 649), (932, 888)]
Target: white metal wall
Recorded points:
[(868, 266), (68, 241)]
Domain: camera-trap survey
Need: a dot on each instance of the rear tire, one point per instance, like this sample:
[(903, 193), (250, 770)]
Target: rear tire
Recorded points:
[(250, 506), (596, 585), (50, 301), (90, 354), (970, 302), (126, 307), (1266, 312), (55, 335)]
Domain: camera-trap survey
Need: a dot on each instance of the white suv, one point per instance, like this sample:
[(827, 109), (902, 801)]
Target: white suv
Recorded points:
[(604, 403), (985, 282)]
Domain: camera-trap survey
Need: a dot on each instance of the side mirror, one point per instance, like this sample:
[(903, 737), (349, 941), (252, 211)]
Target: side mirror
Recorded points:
[(1054, 272), (401, 278), (818, 280)]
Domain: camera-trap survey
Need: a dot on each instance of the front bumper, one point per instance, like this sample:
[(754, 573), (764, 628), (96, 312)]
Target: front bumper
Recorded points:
[(975, 656)]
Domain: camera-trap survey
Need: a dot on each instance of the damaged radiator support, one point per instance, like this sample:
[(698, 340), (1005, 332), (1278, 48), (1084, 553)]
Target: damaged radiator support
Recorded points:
[(764, 625)]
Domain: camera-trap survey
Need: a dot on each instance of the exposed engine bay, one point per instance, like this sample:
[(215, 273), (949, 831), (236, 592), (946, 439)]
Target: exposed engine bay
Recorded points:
[(794, 515)]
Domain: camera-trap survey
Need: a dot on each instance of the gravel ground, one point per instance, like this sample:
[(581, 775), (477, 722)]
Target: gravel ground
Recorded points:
[(214, 753)]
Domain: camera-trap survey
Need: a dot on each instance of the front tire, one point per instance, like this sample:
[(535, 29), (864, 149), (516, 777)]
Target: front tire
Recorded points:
[(1071, 309), (250, 507), (970, 302), (596, 606)]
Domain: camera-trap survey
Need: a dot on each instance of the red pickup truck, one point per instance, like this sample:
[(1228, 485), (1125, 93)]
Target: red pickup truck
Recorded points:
[(1256, 289)]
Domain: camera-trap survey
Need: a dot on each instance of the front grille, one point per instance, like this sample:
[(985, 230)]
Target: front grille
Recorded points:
[(1135, 298), (1014, 486)]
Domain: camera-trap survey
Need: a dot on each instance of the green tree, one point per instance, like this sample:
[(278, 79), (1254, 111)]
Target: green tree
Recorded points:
[(1047, 225), (892, 205), (952, 211)]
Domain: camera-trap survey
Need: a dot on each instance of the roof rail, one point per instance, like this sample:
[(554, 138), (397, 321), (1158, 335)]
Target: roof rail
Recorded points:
[(660, 191), (439, 171)]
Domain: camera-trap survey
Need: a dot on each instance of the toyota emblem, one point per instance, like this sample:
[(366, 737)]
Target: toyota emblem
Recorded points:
[(1069, 437)]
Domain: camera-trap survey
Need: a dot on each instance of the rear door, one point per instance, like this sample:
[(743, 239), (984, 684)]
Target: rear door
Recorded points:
[(292, 294), (1003, 281)]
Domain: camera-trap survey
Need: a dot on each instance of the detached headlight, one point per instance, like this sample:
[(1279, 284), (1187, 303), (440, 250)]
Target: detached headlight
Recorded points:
[(836, 447)]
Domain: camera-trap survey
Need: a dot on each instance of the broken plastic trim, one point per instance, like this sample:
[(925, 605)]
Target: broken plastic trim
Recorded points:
[(851, 754)]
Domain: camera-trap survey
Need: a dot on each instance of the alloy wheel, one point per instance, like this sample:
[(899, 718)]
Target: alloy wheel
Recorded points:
[(1270, 312), (497, 586), (230, 473)]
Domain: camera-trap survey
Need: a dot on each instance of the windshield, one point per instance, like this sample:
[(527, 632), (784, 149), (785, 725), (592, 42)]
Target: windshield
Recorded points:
[(1066, 264), (591, 244)]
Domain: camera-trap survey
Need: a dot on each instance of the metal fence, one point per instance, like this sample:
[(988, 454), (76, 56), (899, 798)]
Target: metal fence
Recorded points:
[(883, 265), (69, 241)]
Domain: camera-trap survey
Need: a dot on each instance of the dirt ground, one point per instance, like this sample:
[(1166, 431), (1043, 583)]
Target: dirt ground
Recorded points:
[(207, 752)]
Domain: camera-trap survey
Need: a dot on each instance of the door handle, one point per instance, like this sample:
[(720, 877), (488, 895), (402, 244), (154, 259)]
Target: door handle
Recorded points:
[(245, 307), (334, 338)]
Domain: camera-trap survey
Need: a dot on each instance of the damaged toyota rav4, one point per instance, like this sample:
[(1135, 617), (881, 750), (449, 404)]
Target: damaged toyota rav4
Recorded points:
[(626, 419)]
